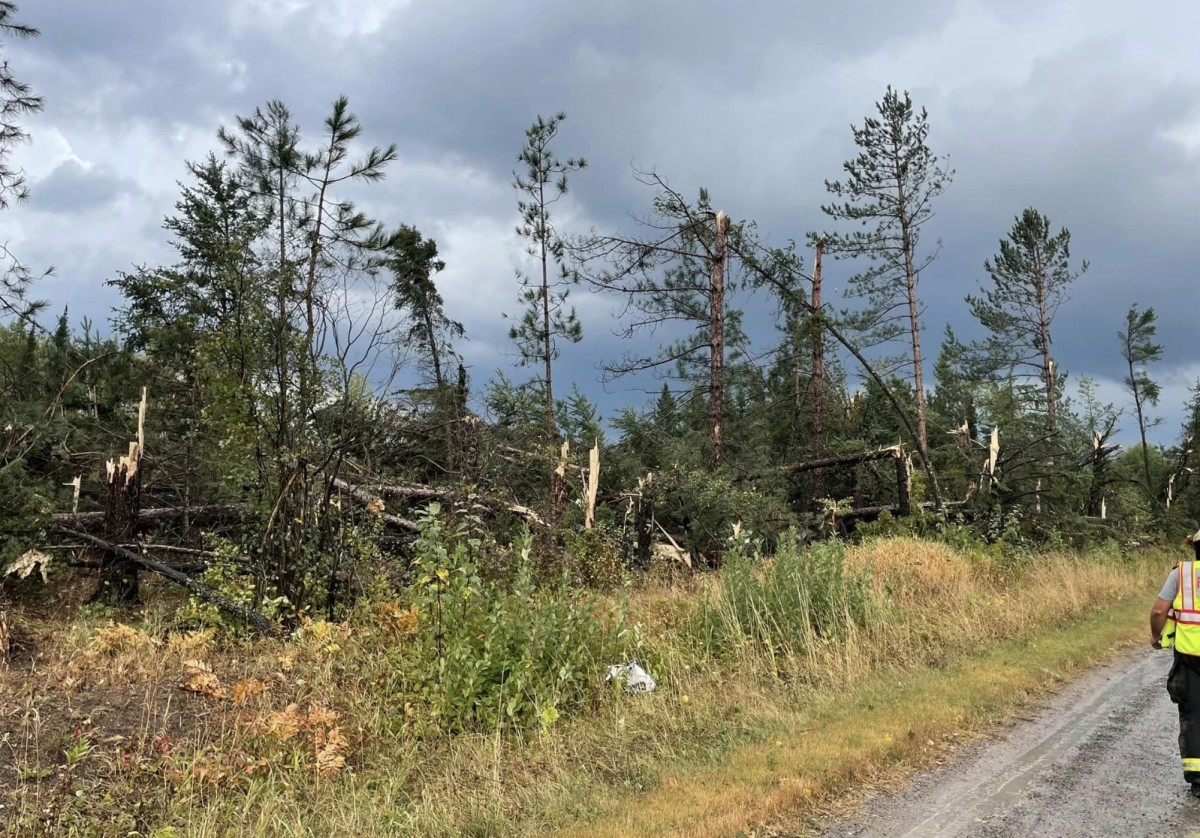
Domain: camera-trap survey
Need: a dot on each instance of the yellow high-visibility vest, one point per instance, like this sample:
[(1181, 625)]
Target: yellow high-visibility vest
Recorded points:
[(1185, 612)]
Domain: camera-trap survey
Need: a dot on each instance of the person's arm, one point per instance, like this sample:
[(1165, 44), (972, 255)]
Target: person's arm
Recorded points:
[(1158, 618)]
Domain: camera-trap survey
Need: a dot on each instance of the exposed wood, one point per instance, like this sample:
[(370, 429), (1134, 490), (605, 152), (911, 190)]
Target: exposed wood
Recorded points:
[(374, 504), (903, 486), (184, 551), (558, 480), (258, 621), (593, 486), (411, 492)]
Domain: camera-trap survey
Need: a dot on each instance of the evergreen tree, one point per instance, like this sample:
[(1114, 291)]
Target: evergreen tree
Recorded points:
[(1139, 349), (677, 278), (413, 261), (1030, 277), (16, 101), (888, 196), (547, 317)]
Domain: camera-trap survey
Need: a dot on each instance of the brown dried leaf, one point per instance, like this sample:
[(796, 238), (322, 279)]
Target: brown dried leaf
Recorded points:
[(403, 621), (331, 755), (241, 692), (284, 724), (321, 716), (199, 678)]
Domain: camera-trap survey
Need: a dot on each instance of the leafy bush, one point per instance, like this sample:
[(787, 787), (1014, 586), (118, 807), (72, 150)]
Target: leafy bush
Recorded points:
[(503, 656), (701, 507)]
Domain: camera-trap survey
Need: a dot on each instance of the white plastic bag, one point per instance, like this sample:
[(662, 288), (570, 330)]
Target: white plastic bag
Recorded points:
[(636, 679)]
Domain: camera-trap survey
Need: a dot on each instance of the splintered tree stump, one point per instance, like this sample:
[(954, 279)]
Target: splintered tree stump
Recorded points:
[(118, 584), (118, 576)]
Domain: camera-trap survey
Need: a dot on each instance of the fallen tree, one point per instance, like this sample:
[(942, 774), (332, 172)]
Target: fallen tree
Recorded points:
[(224, 603)]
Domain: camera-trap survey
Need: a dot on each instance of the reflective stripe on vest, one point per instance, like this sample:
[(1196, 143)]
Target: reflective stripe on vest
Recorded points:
[(1191, 765), (1184, 612)]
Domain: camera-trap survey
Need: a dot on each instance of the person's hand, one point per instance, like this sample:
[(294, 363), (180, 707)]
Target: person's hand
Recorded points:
[(1155, 643)]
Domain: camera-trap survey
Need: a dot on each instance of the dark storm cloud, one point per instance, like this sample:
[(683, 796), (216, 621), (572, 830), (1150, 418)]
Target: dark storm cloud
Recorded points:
[(1080, 109)]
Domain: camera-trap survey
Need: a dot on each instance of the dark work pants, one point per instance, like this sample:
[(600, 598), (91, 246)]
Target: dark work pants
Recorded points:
[(1183, 685)]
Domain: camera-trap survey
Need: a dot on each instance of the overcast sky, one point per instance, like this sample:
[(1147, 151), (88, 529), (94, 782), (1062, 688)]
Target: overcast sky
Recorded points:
[(1088, 110)]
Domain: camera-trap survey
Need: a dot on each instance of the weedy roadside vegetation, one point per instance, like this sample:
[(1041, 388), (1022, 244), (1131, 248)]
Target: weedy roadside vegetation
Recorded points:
[(466, 702)]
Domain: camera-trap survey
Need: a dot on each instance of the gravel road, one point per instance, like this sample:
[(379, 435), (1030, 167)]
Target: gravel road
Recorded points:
[(1101, 759)]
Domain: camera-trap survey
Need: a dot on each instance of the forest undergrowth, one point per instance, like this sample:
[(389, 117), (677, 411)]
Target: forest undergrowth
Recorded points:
[(473, 707)]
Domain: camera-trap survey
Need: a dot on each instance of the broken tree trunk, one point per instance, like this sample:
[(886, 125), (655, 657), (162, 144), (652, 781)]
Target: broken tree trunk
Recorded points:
[(895, 453), (373, 501), (843, 460), (118, 585), (716, 327), (818, 377), (903, 485), (208, 514), (644, 521), (558, 481), (593, 486), (258, 621), (374, 504)]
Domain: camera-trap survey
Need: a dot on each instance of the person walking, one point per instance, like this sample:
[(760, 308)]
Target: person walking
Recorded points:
[(1175, 624)]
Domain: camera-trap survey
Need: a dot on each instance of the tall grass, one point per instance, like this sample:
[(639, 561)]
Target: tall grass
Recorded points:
[(432, 746), (782, 607)]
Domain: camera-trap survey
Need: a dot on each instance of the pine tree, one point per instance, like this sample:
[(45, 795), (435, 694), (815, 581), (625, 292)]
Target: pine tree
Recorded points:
[(413, 261), (1139, 349), (888, 195), (1030, 277), (678, 274), (547, 317), (16, 101)]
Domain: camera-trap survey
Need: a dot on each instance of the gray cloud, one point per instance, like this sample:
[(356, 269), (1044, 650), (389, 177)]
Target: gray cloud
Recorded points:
[(71, 188), (1076, 107)]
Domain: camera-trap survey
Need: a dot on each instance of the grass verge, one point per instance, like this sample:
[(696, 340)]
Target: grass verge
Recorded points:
[(888, 725)]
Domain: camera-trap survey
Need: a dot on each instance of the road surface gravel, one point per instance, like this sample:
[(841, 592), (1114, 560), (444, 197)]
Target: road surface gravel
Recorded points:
[(1101, 759)]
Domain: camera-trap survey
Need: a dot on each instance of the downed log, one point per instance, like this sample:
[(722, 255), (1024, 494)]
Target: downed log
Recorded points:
[(414, 492), (895, 509), (211, 512), (258, 621), (374, 504), (374, 495), (843, 460)]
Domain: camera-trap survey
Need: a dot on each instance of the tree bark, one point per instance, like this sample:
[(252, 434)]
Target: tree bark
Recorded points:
[(716, 309), (196, 514), (118, 584), (818, 377), (903, 489)]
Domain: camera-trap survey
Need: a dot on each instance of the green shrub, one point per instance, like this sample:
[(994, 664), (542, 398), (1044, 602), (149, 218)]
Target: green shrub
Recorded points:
[(503, 656)]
